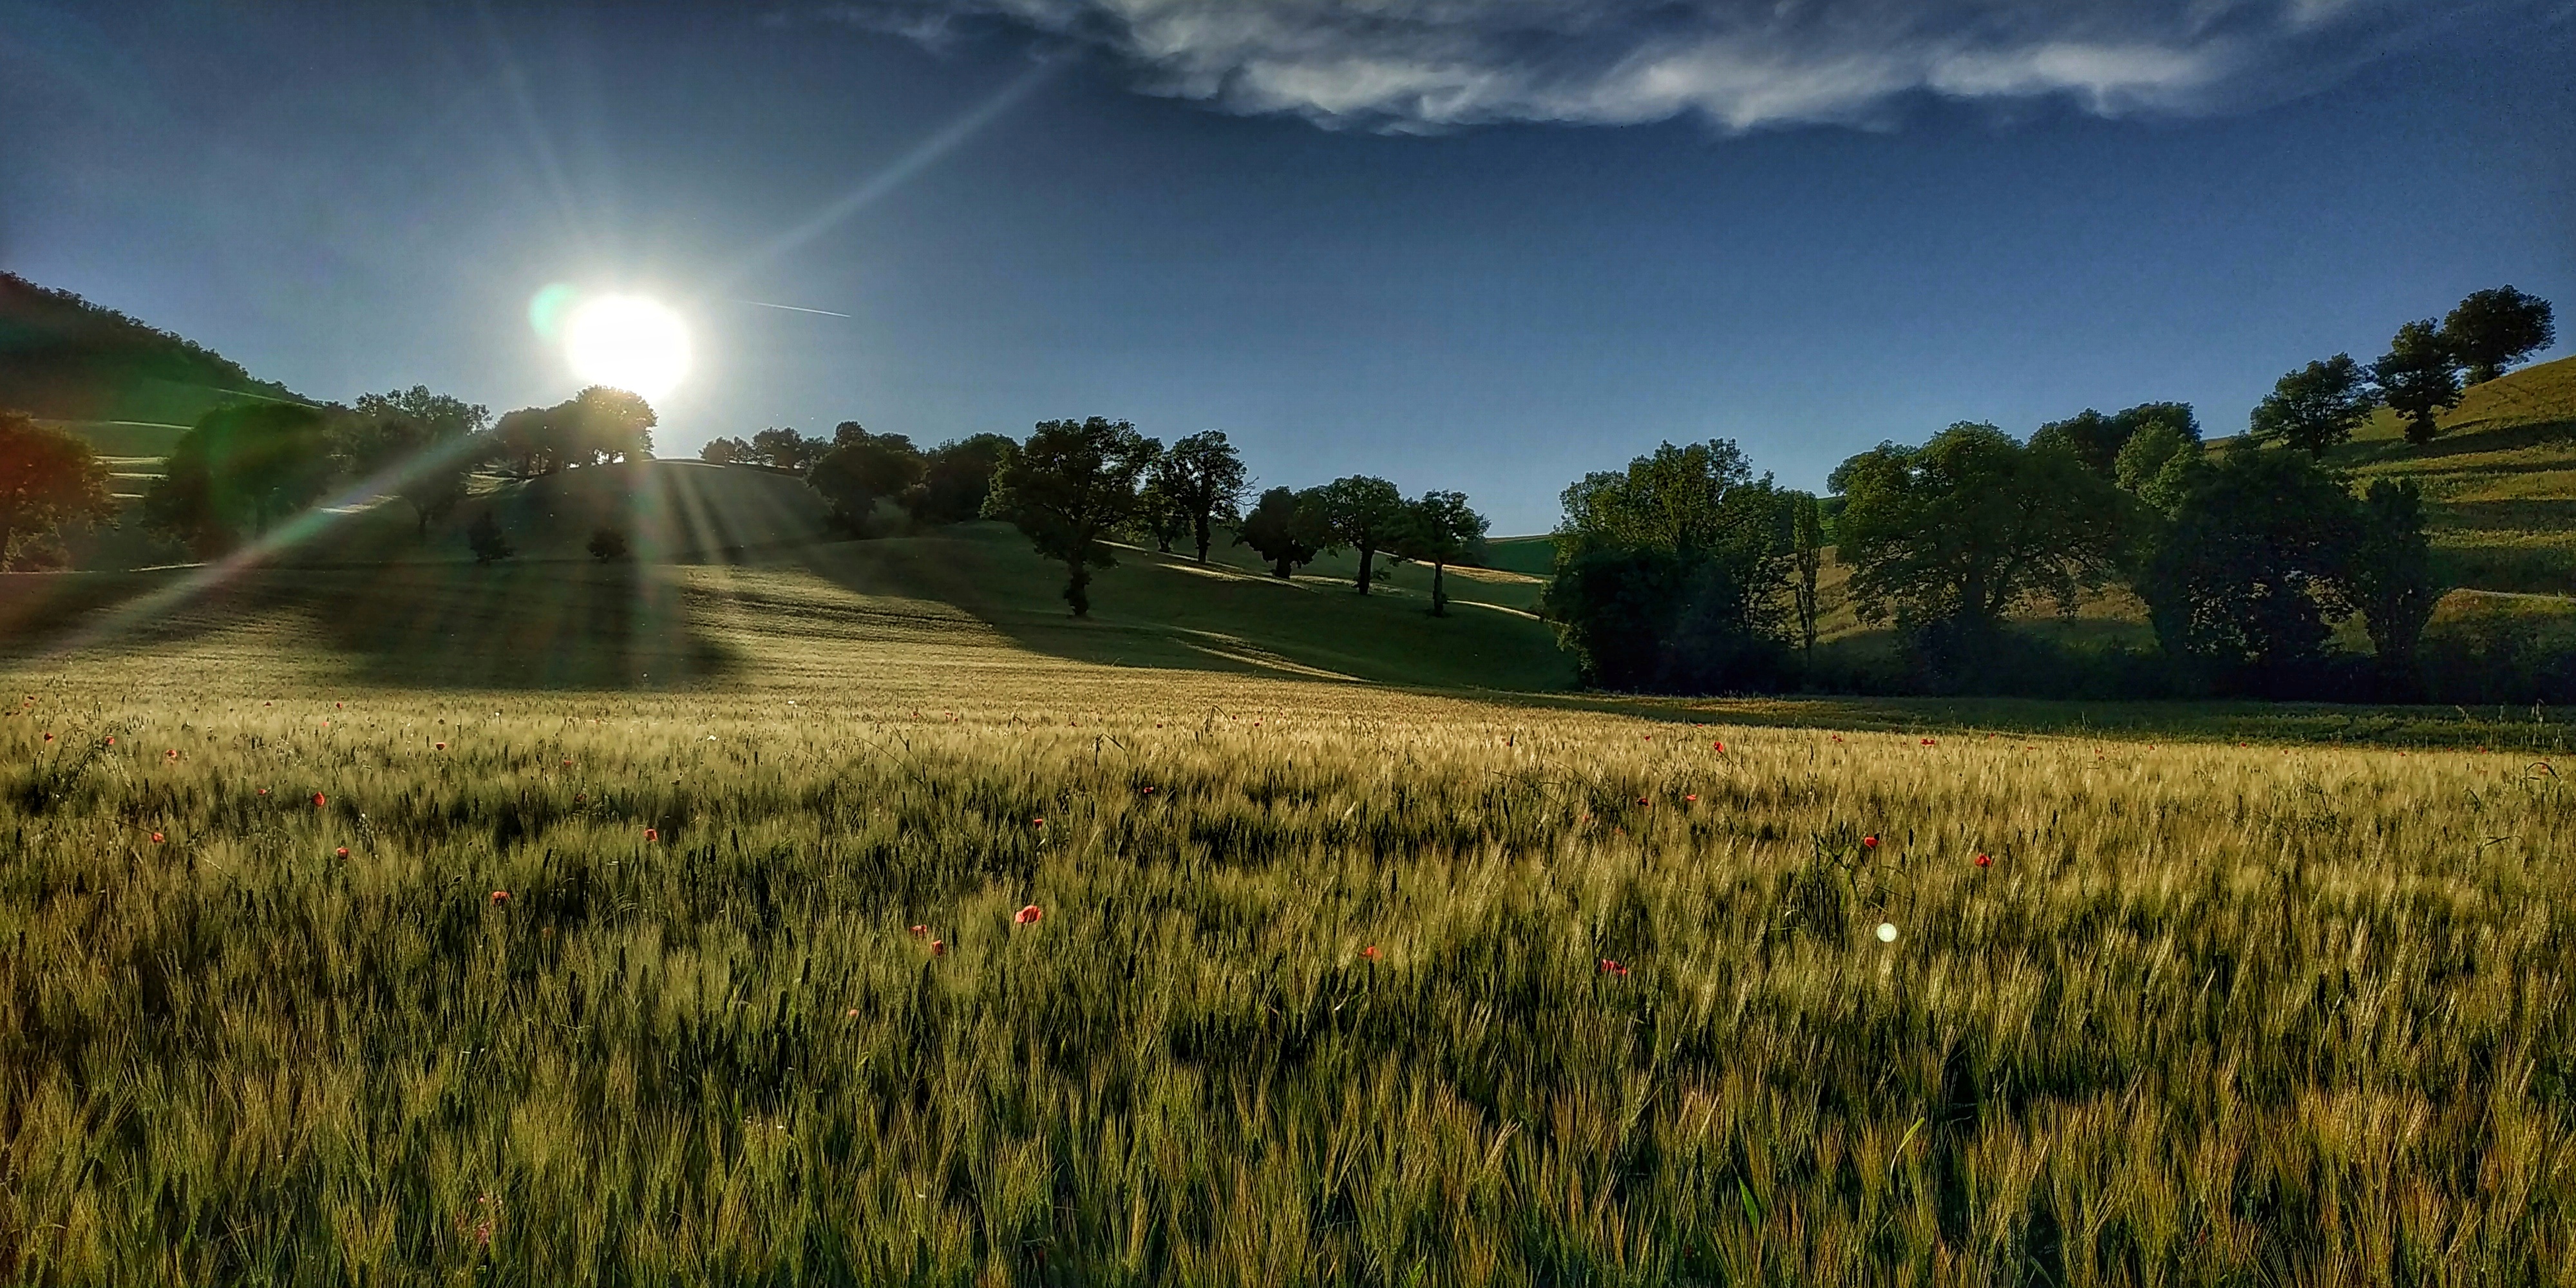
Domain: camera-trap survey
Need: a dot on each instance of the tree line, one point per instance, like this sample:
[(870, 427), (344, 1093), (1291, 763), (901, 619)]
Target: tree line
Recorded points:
[(1687, 573), (1075, 487)]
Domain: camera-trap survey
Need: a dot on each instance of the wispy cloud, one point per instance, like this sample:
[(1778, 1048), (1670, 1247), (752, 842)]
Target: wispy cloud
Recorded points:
[(1436, 64)]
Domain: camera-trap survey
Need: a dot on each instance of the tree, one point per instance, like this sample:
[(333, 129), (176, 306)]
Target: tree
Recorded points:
[(2317, 406), (2492, 330), (861, 469), (1807, 556), (1286, 528), (1668, 573), (2158, 466), (484, 538), (2418, 378), (422, 446), (1071, 484), (601, 424), (2241, 585), (1364, 513), (47, 478), (1207, 481), (242, 465), (1440, 530), (2391, 577), (955, 478), (1950, 536), (1161, 514), (728, 451), (607, 544), (2096, 439), (785, 449)]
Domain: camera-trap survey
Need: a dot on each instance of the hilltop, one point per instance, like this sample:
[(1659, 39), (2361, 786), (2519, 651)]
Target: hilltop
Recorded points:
[(63, 358)]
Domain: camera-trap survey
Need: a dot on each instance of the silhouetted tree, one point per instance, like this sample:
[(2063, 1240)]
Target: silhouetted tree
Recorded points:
[(241, 466), (728, 451), (47, 478), (1807, 557), (484, 538), (2255, 561), (785, 449), (2492, 330), (423, 446), (1071, 484), (2096, 439), (607, 544), (1206, 479), (860, 470), (2317, 406), (1441, 530), (1364, 513), (1161, 516), (955, 478), (1950, 536), (1286, 528), (593, 427), (2391, 578), (2418, 379)]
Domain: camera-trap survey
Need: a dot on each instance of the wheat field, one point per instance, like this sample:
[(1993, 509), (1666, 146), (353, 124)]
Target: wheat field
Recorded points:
[(313, 981)]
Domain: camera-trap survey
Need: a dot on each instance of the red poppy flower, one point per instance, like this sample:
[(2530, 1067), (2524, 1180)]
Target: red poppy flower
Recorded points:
[(1984, 862), (1691, 797), (1927, 742), (320, 800), (1028, 916), (49, 737), (440, 746), (1870, 841), (939, 948), (344, 851), (173, 753), (111, 740), (852, 1013), (500, 896), (156, 838), (1719, 746), (1641, 800), (1037, 822), (263, 791), (1149, 791), (652, 834), (1369, 952)]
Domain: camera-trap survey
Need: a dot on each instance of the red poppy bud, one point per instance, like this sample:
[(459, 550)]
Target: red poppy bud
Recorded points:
[(1984, 862), (1870, 841), (320, 800), (1369, 952), (156, 838)]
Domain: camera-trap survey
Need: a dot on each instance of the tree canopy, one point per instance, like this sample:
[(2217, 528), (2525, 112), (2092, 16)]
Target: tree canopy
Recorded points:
[(2096, 439), (422, 446), (1286, 528), (2492, 330), (862, 469), (2418, 378), (47, 478), (1366, 514), (241, 467), (2241, 584), (593, 427), (1069, 486), (1951, 535), (2317, 406), (1440, 529), (1206, 480)]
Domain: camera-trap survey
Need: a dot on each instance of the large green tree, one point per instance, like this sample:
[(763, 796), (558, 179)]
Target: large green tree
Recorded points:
[(1953, 535), (860, 470), (1286, 528), (1068, 487), (47, 478), (956, 476), (1668, 572), (1440, 529), (2316, 406), (422, 446), (2492, 330), (1363, 513), (2419, 378), (240, 468), (1207, 480), (2242, 583)]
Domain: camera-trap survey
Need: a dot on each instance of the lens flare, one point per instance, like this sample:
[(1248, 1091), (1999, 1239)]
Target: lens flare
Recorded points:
[(627, 342)]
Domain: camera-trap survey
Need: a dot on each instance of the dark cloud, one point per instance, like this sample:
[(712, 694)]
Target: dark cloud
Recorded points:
[(1432, 64)]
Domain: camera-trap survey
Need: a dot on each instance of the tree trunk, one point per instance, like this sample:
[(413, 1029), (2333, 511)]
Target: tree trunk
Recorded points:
[(1077, 586), (1439, 595), (1202, 534), (1368, 559), (1280, 569)]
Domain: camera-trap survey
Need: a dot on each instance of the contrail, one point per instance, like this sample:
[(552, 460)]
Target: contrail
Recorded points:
[(764, 304), (892, 177)]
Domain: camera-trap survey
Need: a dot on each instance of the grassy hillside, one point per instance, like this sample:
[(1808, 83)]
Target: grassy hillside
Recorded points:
[(2501, 479), (64, 358)]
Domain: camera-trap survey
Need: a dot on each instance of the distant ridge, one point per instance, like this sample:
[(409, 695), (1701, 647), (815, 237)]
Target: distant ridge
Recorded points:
[(64, 358)]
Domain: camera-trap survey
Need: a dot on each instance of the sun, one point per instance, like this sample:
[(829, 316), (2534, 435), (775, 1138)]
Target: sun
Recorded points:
[(627, 342)]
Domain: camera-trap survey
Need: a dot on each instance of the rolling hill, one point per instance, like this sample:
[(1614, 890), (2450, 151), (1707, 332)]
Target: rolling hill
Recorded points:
[(65, 359)]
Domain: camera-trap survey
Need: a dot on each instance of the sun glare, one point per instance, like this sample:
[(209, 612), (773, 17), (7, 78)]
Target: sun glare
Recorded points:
[(628, 342)]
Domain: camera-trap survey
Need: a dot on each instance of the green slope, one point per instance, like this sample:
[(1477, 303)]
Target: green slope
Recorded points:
[(63, 358), (2501, 479)]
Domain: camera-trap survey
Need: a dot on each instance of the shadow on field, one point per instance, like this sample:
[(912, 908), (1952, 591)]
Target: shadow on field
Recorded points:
[(1167, 612), (546, 625)]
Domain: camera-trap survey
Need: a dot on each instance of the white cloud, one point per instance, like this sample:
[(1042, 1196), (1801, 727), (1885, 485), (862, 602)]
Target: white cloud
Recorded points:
[(1432, 64)]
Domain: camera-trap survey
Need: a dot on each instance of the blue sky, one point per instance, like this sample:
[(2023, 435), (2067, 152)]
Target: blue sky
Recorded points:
[(1481, 244)]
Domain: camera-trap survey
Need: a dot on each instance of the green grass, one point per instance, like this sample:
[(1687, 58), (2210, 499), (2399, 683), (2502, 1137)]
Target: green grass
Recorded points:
[(2500, 480), (2214, 1015)]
